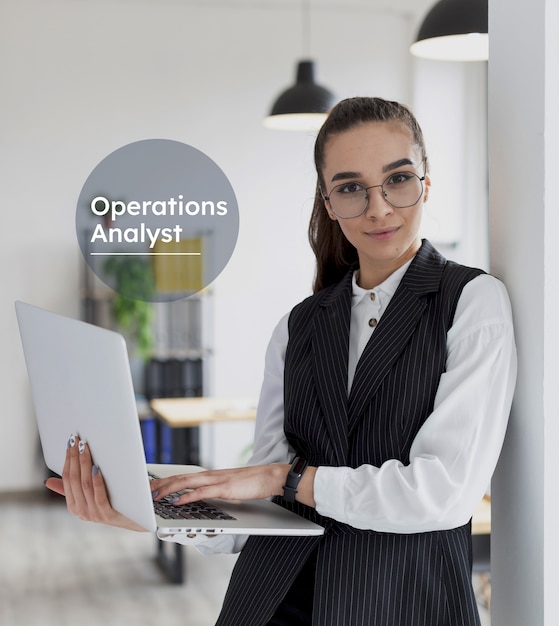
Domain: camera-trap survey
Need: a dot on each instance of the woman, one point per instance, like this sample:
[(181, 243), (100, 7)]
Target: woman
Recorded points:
[(391, 387)]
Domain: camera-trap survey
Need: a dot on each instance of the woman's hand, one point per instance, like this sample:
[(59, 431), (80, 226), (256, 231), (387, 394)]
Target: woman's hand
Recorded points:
[(84, 488), (255, 482)]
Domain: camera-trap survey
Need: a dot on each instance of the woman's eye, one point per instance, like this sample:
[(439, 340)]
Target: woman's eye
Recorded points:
[(398, 179), (349, 188)]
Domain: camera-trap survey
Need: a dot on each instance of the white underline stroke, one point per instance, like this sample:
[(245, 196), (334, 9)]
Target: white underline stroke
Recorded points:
[(145, 254)]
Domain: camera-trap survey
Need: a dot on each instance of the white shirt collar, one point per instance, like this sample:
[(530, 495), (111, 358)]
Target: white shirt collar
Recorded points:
[(387, 287)]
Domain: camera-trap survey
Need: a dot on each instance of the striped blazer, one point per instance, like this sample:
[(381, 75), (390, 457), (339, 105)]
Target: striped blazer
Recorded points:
[(364, 578)]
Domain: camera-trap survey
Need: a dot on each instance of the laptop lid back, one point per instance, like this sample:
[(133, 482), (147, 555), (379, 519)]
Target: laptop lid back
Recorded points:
[(81, 384)]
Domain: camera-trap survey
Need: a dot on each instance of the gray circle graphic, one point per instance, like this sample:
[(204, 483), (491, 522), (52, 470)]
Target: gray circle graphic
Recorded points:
[(157, 220)]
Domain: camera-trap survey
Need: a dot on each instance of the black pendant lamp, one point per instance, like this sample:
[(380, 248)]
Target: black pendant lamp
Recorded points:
[(305, 105), (454, 30)]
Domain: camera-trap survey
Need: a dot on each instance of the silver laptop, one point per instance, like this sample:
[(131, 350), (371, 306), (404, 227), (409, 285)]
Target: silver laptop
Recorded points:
[(81, 383)]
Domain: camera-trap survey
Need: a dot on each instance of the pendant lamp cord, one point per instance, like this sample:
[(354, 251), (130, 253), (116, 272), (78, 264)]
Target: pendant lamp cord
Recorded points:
[(306, 27)]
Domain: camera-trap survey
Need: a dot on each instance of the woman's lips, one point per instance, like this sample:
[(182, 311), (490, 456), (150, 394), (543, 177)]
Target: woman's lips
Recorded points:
[(381, 234)]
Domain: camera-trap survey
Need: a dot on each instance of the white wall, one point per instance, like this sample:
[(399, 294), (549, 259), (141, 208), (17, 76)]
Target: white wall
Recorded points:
[(523, 139), (450, 100), (81, 79)]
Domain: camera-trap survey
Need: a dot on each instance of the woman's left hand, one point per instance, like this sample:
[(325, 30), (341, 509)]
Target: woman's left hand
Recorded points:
[(245, 483)]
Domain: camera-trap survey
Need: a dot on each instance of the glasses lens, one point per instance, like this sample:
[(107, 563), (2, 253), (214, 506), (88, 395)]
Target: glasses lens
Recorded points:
[(348, 200), (403, 189)]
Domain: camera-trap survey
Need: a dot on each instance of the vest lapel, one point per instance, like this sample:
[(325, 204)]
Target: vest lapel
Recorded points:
[(395, 328), (330, 347)]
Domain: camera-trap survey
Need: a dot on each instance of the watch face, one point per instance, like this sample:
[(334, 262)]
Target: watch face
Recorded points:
[(299, 466)]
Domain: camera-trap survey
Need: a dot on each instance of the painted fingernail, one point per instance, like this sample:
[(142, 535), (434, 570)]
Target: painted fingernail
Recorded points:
[(174, 500), (81, 446), (72, 441), (154, 494), (94, 470)]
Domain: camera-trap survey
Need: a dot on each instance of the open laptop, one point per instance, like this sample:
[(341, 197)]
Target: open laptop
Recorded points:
[(81, 384)]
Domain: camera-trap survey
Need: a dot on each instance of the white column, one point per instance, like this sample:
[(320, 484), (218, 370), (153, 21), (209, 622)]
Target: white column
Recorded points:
[(524, 251)]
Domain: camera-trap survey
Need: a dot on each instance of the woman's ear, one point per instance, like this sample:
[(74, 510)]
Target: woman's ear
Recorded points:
[(331, 213), (427, 186), (325, 200)]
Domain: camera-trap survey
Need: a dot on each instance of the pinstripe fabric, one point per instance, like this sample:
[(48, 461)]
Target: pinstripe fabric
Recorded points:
[(364, 577)]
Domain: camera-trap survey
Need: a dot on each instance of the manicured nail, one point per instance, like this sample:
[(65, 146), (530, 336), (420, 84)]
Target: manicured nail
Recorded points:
[(94, 470), (154, 494), (174, 500), (72, 441), (81, 446)]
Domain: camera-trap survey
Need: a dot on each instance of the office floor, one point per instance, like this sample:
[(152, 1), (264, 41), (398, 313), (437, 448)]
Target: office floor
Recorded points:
[(58, 571)]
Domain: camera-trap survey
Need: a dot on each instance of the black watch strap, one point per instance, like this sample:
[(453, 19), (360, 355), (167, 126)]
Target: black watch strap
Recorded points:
[(294, 476)]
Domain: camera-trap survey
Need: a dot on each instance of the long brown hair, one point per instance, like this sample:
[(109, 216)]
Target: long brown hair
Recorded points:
[(334, 254)]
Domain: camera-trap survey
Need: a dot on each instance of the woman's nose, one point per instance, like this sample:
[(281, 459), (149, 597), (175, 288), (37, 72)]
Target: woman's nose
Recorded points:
[(377, 206)]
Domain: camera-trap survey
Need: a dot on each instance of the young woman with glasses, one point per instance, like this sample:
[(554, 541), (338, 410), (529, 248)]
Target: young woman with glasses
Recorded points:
[(383, 409)]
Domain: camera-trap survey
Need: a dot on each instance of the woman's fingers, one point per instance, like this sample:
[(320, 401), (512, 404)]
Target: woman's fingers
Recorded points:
[(166, 486), (98, 508), (70, 474), (55, 484), (77, 480), (101, 509)]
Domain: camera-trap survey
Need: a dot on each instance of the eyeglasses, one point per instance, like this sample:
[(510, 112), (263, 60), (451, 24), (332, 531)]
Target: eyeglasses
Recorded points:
[(400, 190)]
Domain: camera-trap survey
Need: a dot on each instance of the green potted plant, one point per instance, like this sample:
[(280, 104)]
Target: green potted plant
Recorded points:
[(132, 305)]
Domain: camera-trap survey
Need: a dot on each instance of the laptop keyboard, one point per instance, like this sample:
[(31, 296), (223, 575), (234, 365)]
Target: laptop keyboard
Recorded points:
[(191, 511)]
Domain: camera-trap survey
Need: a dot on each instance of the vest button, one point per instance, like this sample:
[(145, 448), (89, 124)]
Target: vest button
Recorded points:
[(373, 322)]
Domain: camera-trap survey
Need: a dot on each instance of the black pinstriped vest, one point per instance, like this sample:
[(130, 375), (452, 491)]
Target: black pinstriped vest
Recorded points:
[(364, 578)]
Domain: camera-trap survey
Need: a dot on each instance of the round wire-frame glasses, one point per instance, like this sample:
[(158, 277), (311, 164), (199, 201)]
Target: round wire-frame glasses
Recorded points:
[(400, 190)]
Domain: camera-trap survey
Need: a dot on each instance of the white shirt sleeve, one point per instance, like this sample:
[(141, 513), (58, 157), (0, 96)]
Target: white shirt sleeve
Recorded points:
[(455, 452)]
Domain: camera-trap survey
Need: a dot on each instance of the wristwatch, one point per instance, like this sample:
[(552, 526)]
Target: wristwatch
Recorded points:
[(294, 476)]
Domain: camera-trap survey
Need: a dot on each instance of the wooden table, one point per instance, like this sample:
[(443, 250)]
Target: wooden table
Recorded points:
[(184, 416), (190, 412)]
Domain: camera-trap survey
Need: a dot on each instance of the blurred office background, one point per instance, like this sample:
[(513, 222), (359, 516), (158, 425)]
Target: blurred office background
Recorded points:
[(82, 78)]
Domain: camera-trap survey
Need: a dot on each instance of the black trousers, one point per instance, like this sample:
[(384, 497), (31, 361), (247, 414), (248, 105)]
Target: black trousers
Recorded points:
[(296, 608)]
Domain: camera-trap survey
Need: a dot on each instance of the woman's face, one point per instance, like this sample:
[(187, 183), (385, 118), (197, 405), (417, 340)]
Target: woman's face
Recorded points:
[(385, 237)]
